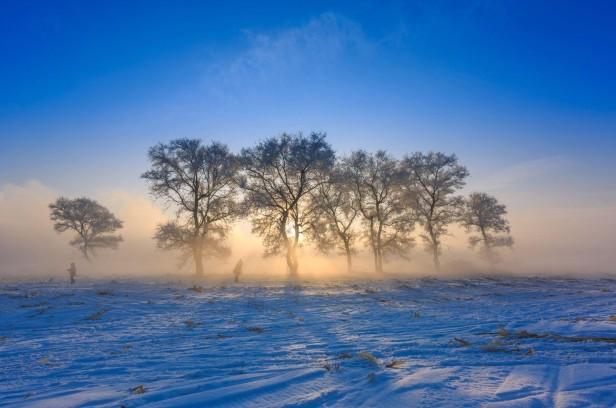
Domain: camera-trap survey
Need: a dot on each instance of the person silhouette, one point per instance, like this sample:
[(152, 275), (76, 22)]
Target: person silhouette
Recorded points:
[(237, 271), (72, 272)]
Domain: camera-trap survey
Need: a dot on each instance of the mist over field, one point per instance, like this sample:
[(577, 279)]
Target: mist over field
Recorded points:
[(549, 241)]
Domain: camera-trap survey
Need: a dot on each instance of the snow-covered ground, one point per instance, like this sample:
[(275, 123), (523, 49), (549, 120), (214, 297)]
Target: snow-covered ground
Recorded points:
[(473, 342)]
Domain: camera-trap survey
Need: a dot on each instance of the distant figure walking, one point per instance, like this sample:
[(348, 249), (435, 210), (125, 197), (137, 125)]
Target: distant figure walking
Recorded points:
[(72, 272), (237, 271)]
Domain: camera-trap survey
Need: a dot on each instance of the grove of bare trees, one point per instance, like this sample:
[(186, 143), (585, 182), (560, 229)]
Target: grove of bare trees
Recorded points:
[(295, 192)]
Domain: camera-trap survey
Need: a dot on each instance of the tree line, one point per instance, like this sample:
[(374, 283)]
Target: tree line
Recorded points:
[(296, 190)]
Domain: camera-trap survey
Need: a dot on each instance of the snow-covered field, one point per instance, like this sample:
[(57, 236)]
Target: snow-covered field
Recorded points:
[(473, 342)]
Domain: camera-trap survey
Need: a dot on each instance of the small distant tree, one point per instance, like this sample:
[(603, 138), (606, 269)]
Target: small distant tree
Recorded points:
[(279, 175), (375, 181), (199, 182), (484, 215), (334, 216), (93, 224), (432, 180)]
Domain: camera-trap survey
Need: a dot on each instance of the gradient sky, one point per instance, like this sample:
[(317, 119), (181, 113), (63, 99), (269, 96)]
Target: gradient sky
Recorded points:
[(524, 92)]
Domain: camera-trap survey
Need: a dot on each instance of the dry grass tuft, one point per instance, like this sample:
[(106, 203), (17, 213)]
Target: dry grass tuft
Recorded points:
[(30, 305), (97, 315), (140, 389), (395, 364), (584, 339), (256, 329), (329, 366), (502, 332), (191, 324), (461, 342), (365, 355), (523, 334), (498, 346)]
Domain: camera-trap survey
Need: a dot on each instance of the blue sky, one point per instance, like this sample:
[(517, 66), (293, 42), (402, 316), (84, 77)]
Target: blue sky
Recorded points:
[(512, 87), (524, 92)]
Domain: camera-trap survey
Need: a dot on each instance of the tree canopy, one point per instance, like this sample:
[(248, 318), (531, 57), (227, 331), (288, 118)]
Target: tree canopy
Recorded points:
[(486, 216), (431, 182), (93, 224), (198, 181), (335, 215), (375, 180)]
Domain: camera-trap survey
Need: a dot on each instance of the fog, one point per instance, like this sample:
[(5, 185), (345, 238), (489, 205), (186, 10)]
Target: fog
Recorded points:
[(550, 241)]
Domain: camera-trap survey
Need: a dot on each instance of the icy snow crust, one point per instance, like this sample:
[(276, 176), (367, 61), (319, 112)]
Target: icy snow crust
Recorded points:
[(475, 342)]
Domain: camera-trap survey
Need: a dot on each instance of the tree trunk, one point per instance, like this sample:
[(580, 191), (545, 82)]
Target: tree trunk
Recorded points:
[(292, 263), (197, 243), (435, 257), (379, 248), (435, 249), (291, 245), (198, 258), (486, 243), (379, 257), (373, 244), (347, 249)]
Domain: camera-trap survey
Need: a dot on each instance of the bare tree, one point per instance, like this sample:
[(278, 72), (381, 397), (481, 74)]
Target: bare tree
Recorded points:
[(484, 215), (431, 182), (199, 182), (93, 223), (375, 180), (335, 215), (278, 176)]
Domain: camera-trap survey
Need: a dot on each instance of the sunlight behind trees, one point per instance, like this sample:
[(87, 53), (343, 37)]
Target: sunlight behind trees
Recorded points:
[(296, 193)]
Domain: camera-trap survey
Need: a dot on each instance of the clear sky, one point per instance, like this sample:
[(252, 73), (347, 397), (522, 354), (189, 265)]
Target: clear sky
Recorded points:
[(524, 92)]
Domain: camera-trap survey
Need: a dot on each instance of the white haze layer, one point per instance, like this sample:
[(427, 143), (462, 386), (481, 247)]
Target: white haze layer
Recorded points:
[(548, 240)]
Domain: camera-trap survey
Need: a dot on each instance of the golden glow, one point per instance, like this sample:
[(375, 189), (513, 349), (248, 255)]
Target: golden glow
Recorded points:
[(290, 230)]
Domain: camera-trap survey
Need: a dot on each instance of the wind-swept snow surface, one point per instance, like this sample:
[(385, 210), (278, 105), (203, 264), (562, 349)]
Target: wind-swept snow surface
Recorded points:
[(476, 342)]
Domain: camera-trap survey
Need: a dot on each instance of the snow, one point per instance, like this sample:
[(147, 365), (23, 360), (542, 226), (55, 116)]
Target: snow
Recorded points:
[(493, 342)]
